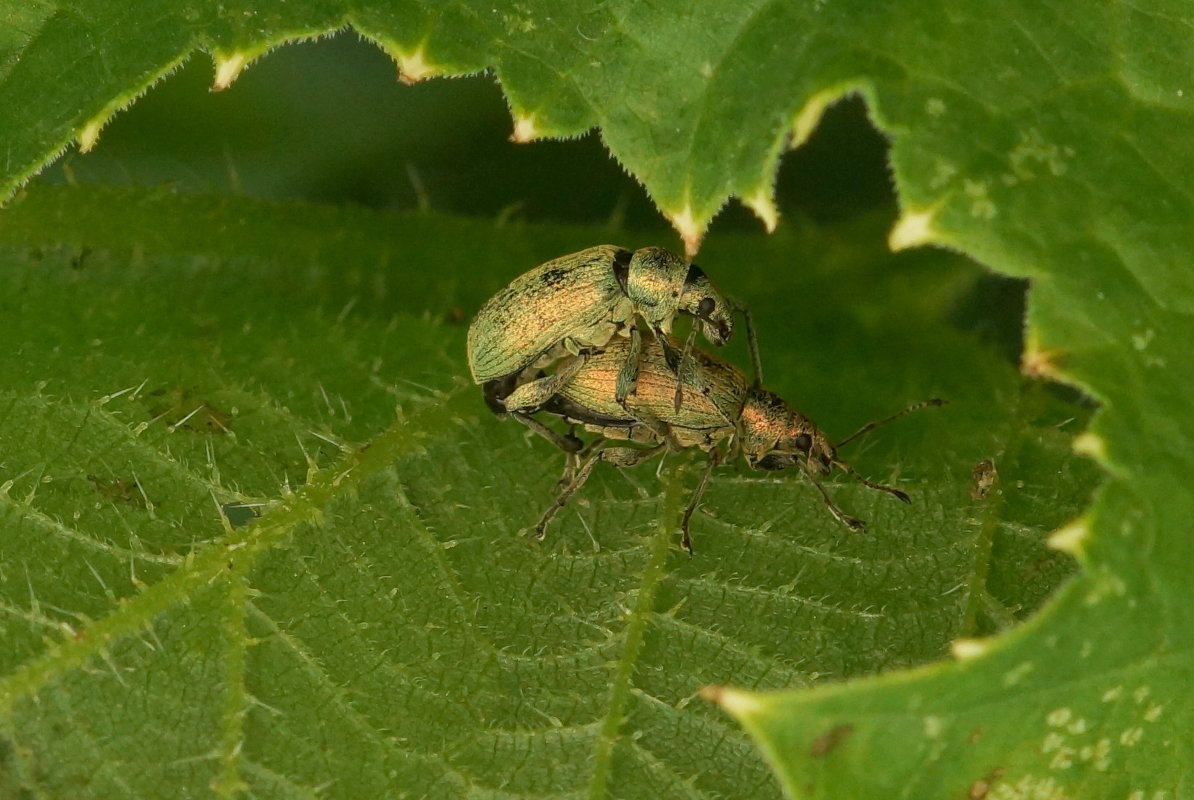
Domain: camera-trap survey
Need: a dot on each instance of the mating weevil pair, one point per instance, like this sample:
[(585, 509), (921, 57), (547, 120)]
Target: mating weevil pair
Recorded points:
[(578, 303), (579, 314)]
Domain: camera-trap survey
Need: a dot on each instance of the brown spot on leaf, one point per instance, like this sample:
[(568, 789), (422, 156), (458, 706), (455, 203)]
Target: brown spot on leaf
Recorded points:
[(118, 490), (832, 739), (984, 475), (982, 787), (180, 408)]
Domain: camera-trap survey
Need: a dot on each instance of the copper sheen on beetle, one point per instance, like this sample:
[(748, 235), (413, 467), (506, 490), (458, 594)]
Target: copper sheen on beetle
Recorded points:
[(721, 414)]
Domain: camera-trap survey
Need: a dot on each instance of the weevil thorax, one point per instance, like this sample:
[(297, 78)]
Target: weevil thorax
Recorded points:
[(703, 300), (654, 284), (775, 436)]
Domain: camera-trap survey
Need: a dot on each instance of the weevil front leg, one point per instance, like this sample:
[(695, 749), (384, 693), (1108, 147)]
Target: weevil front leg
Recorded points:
[(621, 457), (853, 523), (682, 365), (628, 374)]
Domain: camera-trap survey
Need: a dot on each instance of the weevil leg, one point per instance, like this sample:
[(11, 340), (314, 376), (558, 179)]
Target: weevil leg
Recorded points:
[(533, 394), (658, 428), (752, 343), (572, 460), (849, 470), (628, 374), (670, 356), (618, 456), (569, 442), (566, 493), (853, 523), (685, 539), (685, 355)]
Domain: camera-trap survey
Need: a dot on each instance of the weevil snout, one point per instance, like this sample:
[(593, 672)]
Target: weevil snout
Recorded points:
[(776, 436), (705, 301), (717, 331), (799, 443)]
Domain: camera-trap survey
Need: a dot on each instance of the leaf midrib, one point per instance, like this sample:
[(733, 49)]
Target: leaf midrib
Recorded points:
[(220, 561), (644, 607)]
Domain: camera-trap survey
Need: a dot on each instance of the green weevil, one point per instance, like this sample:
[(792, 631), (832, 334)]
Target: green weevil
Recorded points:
[(578, 303), (721, 415)]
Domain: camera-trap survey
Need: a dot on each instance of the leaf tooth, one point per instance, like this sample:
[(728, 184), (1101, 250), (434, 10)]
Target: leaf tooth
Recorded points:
[(913, 229), (809, 115), (1070, 538), (691, 231), (1091, 445), (1038, 361), (413, 65), (735, 701), (525, 129), (762, 203), (89, 133), (968, 649), (228, 68)]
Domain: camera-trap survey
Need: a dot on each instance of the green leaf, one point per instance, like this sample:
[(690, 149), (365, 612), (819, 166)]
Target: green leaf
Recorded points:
[(382, 625), (1046, 142)]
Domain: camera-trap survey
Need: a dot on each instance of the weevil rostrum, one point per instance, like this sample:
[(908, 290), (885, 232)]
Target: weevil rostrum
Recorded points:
[(721, 415), (580, 302)]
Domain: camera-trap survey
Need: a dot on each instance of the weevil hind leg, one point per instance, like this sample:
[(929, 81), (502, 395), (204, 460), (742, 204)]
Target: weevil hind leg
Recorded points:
[(566, 493), (570, 443), (621, 457)]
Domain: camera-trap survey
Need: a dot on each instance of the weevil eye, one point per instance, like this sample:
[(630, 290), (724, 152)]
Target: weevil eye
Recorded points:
[(803, 442), (706, 306)]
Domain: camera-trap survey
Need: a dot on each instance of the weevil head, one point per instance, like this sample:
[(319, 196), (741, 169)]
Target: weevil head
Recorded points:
[(775, 436), (703, 300), (655, 284)]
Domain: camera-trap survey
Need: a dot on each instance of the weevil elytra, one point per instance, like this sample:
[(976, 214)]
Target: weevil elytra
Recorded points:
[(721, 415), (580, 302)]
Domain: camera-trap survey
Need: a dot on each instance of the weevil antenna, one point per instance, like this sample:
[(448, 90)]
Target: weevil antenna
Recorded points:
[(849, 470), (870, 426)]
